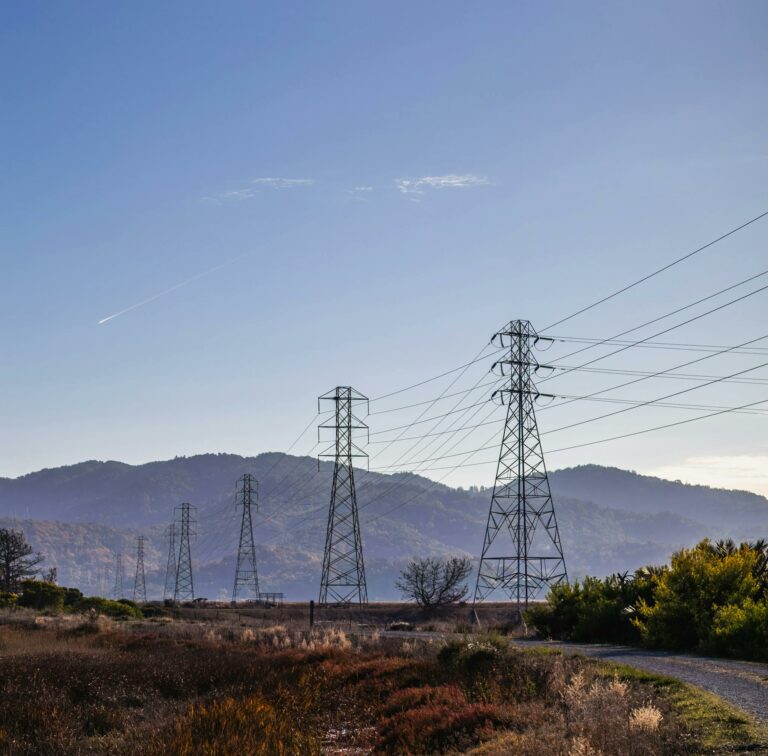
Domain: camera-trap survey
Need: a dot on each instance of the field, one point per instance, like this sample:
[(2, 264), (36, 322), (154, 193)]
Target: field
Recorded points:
[(214, 680)]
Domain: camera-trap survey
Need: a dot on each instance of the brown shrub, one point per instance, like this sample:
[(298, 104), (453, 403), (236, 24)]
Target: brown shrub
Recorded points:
[(411, 698), (436, 728), (231, 726)]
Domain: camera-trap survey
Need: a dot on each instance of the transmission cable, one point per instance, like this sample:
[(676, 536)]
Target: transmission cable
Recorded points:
[(477, 358), (659, 373), (658, 271), (676, 376), (671, 345), (663, 317), (660, 427)]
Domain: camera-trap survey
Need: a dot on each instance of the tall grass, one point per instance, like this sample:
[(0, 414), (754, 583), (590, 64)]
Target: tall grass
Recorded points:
[(177, 688)]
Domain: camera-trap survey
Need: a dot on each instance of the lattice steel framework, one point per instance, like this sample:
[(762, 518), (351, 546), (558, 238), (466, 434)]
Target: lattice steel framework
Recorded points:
[(343, 578), (118, 589), (184, 588), (169, 587), (139, 579), (246, 574), (521, 504)]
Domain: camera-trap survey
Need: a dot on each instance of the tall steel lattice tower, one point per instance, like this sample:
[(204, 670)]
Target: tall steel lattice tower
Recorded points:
[(246, 575), (343, 579), (184, 589), (139, 580), (521, 505), (118, 589), (169, 589)]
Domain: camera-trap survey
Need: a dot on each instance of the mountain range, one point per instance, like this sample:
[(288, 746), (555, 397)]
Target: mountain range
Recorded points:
[(80, 516)]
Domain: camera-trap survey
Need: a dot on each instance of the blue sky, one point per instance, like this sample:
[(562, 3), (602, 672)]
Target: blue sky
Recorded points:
[(374, 188)]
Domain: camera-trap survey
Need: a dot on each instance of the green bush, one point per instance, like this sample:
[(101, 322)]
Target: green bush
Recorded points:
[(594, 610), (710, 600), (8, 600), (116, 609), (741, 631), (37, 594), (72, 596)]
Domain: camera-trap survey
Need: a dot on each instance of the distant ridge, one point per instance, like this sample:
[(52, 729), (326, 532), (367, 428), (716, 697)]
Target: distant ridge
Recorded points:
[(610, 519)]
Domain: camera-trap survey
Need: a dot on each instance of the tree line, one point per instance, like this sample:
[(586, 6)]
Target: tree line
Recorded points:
[(712, 598)]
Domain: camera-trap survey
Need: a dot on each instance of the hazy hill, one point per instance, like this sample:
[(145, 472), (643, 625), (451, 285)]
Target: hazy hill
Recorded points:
[(80, 515)]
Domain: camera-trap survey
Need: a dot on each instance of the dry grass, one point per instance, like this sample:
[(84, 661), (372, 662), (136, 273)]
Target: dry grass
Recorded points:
[(183, 687)]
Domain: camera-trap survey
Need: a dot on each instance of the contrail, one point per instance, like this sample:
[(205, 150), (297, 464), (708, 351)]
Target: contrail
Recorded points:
[(175, 287)]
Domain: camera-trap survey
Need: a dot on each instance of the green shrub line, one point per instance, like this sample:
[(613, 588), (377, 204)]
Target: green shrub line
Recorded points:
[(711, 599), (44, 596)]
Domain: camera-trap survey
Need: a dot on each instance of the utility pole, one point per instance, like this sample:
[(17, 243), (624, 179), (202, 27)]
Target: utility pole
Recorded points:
[(139, 580), (118, 589), (170, 568), (521, 505), (184, 588), (343, 578), (246, 575)]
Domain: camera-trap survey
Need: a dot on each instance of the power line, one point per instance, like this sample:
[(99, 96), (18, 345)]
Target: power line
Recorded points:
[(675, 376), (426, 420), (658, 373), (476, 358), (660, 427), (670, 314), (653, 401), (669, 405), (660, 333), (433, 400), (657, 271), (726, 410), (672, 345)]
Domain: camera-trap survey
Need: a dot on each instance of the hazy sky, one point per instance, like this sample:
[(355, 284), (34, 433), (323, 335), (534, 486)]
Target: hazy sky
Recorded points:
[(311, 194)]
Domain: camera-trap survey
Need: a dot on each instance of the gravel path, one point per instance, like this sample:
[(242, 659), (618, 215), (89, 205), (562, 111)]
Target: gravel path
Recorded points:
[(743, 684)]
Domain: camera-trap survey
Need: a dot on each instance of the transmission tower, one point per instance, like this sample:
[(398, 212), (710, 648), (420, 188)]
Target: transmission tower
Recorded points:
[(521, 505), (343, 579), (246, 575), (169, 588), (184, 589), (118, 589), (103, 580), (139, 580)]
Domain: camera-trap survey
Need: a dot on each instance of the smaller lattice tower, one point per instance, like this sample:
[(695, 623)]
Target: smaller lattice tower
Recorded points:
[(246, 574), (118, 590), (343, 578), (170, 568), (184, 589), (139, 580)]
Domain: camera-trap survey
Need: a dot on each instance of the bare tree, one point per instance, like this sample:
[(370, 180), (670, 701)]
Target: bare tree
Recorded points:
[(17, 559), (435, 582)]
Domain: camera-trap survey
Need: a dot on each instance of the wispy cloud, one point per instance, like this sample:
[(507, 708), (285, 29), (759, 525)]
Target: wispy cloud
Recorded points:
[(449, 181), (282, 183), (360, 193), (745, 472), (254, 186)]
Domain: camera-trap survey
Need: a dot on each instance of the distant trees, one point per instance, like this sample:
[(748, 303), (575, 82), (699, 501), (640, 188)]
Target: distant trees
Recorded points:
[(434, 582), (18, 561), (712, 598)]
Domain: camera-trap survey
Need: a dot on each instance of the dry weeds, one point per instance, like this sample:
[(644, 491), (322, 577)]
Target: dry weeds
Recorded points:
[(93, 686)]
